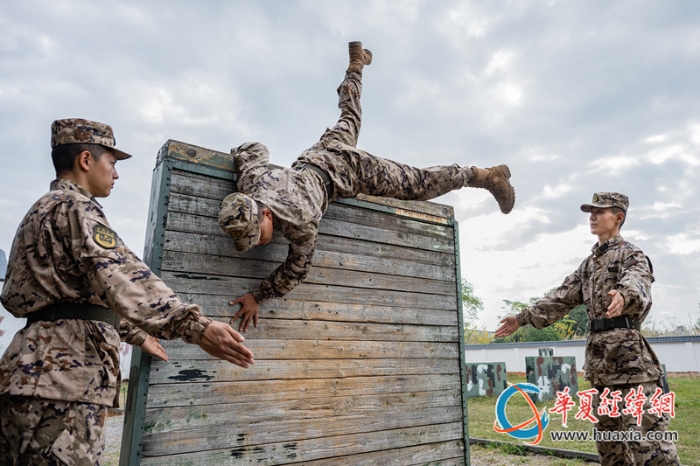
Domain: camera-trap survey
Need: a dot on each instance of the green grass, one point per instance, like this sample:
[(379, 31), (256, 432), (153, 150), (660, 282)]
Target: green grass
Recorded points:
[(687, 389)]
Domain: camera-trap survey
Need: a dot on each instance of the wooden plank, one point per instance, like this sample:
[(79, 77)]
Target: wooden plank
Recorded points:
[(256, 431), (194, 214), (214, 265), (427, 207), (194, 184), (419, 454), (217, 306), (183, 283), (368, 217), (204, 206), (198, 185), (350, 331), (195, 371), (398, 261), (267, 391), (308, 450), (265, 348), (170, 419)]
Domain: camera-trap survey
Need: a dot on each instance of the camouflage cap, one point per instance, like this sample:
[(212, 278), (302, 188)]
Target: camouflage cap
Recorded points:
[(80, 131), (239, 218), (604, 200)]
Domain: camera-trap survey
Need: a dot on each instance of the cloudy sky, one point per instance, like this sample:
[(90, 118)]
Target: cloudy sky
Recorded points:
[(576, 96)]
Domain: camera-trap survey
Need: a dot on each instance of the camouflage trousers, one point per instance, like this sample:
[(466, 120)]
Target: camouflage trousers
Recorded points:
[(355, 171), (645, 452), (36, 431)]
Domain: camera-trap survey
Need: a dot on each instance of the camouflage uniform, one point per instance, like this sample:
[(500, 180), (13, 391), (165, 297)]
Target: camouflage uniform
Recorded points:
[(55, 374), (619, 358), (297, 198)]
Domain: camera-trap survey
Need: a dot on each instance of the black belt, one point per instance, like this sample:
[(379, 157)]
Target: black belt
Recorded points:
[(601, 325), (327, 183), (74, 311)]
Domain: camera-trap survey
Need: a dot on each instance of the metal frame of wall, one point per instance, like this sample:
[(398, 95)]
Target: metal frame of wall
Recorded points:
[(192, 159)]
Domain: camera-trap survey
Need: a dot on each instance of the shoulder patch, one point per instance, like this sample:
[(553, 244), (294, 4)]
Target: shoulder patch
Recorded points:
[(631, 261), (104, 236)]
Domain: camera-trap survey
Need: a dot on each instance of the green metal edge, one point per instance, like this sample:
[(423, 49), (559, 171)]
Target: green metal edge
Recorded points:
[(462, 353), (139, 375)]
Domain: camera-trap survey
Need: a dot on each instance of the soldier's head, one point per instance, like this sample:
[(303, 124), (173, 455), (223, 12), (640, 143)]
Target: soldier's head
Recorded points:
[(83, 151), (249, 222), (608, 212)]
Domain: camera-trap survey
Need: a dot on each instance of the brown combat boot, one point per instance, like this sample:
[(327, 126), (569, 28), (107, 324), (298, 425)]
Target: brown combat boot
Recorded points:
[(495, 180), (359, 57)]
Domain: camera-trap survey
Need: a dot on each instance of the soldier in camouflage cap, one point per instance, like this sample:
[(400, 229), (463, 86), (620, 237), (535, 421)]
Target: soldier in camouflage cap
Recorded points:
[(81, 290), (79, 131), (239, 218), (605, 200), (294, 200), (614, 283)]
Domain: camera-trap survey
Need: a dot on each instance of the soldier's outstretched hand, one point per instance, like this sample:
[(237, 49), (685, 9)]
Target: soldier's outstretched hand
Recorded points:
[(616, 305), (509, 325), (223, 342), (152, 346), (248, 311)]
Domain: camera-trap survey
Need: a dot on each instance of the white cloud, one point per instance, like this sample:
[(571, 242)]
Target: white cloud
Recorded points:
[(500, 61), (683, 244)]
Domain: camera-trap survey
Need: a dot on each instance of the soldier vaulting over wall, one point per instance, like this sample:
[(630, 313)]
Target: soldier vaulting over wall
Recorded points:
[(294, 200)]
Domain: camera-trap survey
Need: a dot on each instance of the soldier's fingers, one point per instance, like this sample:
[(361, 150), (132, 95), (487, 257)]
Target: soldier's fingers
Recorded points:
[(237, 337), (236, 351), (255, 320)]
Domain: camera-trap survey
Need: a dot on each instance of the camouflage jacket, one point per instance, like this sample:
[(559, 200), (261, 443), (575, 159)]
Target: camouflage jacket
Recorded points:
[(297, 200), (618, 356), (65, 251)]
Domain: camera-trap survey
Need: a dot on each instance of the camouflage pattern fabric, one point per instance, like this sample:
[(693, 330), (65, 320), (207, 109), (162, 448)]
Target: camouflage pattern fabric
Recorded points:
[(485, 378), (80, 131), (605, 200), (647, 453), (297, 198), (613, 357), (65, 251), (551, 374), (37, 432)]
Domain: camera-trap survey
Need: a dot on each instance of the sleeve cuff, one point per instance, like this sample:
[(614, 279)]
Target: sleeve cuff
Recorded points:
[(522, 319), (196, 326), (261, 295), (136, 338)]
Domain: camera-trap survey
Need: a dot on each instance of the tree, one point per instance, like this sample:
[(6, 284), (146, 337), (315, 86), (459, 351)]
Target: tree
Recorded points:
[(472, 305), (573, 324)]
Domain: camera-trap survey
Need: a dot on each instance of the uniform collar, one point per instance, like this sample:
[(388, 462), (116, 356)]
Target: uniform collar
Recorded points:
[(599, 250), (68, 185)]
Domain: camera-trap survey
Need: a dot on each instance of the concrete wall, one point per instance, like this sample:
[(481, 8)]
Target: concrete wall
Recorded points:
[(679, 354)]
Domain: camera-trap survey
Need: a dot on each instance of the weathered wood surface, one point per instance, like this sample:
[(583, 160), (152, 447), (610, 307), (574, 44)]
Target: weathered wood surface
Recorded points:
[(189, 371), (268, 391), (357, 365), (328, 447), (234, 287), (287, 308), (269, 348), (257, 432), (191, 417)]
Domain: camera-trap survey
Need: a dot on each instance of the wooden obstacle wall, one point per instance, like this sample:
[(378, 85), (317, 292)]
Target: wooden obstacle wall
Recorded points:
[(361, 364)]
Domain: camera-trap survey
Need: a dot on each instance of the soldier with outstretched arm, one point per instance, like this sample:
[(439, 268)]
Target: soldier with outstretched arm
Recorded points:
[(293, 200), (614, 283), (81, 289)]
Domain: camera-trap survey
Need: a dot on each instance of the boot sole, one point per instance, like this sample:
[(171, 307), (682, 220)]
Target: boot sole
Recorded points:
[(506, 172)]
